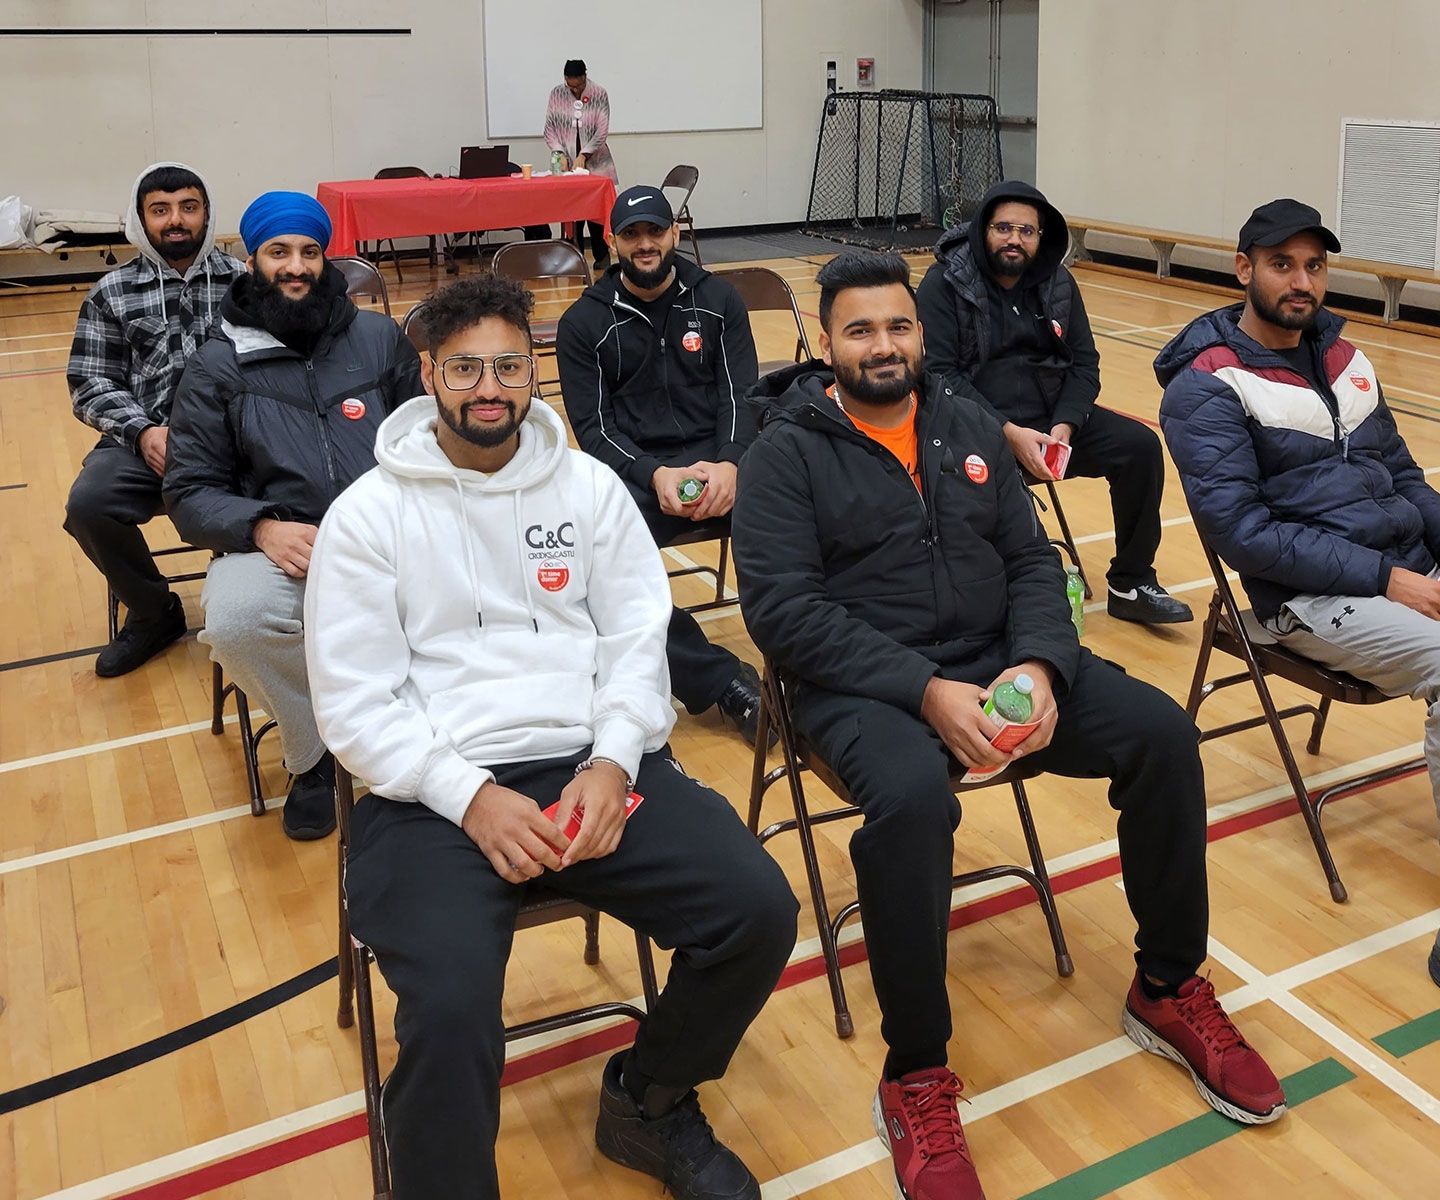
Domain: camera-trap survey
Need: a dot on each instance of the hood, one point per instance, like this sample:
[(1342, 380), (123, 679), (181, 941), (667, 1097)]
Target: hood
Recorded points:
[(1054, 241), (135, 227), (780, 394), (1222, 328), (406, 446)]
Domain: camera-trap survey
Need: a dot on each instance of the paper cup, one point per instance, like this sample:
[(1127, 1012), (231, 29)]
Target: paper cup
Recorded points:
[(526, 169)]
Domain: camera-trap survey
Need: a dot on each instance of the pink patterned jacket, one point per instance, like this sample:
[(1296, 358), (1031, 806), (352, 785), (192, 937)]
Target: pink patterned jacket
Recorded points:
[(594, 106)]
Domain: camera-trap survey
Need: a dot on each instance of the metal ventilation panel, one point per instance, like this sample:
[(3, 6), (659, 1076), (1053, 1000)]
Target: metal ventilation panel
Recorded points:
[(1389, 204)]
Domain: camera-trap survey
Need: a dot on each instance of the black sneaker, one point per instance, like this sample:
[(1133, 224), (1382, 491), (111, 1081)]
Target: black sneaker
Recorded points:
[(1148, 604), (1435, 961), (677, 1148), (140, 641), (739, 703), (310, 806)]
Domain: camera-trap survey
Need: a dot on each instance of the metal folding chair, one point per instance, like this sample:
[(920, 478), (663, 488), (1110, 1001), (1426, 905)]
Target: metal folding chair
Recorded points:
[(400, 173), (685, 177), (363, 278), (1237, 632), (552, 261), (798, 757), (539, 907), (763, 290), (1065, 543)]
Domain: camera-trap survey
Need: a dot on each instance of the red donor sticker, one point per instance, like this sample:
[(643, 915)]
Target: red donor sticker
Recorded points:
[(977, 470), (691, 341), (354, 409), (1055, 325), (553, 576), (1360, 382)]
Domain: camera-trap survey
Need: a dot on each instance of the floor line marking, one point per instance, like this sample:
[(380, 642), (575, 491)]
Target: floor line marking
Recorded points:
[(134, 739)]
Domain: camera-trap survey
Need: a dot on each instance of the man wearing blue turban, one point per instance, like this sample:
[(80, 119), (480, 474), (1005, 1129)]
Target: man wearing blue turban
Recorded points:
[(274, 417)]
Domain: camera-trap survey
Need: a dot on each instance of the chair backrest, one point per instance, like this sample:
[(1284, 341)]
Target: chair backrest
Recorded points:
[(363, 279), (402, 173), (685, 177), (763, 290), (413, 326), (551, 259)]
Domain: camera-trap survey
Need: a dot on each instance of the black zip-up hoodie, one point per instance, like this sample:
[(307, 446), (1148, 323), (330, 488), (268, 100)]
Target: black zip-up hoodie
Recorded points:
[(1050, 374), (639, 397), (260, 430), (854, 581)]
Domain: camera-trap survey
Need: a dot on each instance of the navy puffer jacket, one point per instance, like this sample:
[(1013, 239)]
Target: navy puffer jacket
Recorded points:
[(1301, 491)]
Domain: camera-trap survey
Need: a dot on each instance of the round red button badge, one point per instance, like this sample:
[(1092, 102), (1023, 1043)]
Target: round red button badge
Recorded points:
[(977, 470), (1360, 382), (691, 341), (354, 409), (553, 576)]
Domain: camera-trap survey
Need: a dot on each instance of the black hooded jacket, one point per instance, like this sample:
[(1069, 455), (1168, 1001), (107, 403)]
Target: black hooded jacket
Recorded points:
[(1050, 372), (639, 397), (259, 430), (858, 583)]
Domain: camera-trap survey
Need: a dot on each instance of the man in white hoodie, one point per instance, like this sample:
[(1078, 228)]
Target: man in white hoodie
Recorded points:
[(485, 630), (135, 330)]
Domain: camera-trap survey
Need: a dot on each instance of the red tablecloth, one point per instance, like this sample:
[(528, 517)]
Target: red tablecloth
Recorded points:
[(366, 210)]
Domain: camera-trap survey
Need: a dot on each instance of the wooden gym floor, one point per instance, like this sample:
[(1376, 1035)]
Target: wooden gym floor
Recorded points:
[(138, 896)]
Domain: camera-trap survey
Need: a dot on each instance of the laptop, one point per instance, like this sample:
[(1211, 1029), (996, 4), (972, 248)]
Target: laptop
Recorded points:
[(484, 162)]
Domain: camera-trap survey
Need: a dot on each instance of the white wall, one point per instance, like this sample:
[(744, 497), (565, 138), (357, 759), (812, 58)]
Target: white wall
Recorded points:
[(84, 116)]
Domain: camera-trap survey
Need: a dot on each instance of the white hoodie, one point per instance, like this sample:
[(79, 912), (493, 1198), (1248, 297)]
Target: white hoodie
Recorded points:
[(455, 621)]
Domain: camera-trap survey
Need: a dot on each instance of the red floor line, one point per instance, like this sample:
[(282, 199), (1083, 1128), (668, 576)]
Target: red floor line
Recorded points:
[(347, 1129)]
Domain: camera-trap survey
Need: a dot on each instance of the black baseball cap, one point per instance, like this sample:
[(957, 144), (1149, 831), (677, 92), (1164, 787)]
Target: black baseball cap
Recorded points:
[(1279, 221), (637, 204)]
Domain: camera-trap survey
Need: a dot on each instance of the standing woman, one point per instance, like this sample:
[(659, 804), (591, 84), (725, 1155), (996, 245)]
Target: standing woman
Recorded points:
[(577, 123)]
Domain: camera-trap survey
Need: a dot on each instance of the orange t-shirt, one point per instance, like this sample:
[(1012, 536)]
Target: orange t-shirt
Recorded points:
[(900, 440)]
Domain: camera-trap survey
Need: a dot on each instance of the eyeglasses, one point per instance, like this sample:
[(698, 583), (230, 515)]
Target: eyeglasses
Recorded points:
[(462, 372), (1006, 228)]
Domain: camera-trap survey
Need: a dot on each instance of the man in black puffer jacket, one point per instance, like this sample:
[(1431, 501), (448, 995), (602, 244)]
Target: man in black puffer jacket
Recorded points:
[(275, 416), (891, 564), (1004, 322)]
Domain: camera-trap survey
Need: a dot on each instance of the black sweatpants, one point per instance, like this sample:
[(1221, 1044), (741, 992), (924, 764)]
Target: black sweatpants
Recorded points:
[(425, 899), (598, 249), (114, 494), (699, 670), (1127, 455), (895, 766)]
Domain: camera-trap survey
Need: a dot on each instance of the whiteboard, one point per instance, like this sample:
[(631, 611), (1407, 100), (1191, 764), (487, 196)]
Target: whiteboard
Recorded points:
[(670, 66)]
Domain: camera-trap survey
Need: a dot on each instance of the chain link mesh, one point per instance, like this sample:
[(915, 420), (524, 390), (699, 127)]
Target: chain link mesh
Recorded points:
[(893, 168)]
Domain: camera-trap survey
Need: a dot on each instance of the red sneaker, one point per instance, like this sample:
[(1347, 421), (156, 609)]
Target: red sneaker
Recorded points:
[(918, 1118), (1193, 1030)]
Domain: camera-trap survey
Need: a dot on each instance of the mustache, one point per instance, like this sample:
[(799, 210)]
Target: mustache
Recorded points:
[(1309, 297), (895, 360)]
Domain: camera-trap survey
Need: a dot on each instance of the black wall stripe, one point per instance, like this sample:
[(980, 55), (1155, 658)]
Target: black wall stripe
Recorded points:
[(168, 1043), (141, 31)]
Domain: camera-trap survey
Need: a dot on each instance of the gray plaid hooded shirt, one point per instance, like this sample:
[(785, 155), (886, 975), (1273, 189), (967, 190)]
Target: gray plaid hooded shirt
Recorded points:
[(137, 327)]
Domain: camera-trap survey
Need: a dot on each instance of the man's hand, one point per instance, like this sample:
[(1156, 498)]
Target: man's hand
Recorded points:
[(512, 833), (152, 447), (954, 711), (667, 480), (1028, 446), (1063, 432), (719, 495), (1042, 701), (600, 792), (1414, 590), (286, 543)]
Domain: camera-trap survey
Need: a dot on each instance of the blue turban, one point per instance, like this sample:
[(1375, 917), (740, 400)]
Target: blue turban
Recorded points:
[(280, 214)]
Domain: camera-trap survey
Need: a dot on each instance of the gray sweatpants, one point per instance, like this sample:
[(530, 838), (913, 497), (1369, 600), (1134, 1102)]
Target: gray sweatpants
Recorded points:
[(1384, 643), (254, 627)]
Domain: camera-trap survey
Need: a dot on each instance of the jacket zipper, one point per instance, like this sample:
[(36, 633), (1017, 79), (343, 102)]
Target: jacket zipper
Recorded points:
[(327, 451), (664, 359)]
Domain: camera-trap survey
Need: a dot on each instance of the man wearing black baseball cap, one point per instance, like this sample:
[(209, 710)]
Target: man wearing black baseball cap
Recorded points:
[(1297, 476), (654, 361)]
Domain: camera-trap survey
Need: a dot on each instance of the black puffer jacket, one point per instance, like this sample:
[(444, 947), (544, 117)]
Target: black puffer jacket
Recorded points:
[(855, 582), (637, 395), (954, 307), (258, 430)]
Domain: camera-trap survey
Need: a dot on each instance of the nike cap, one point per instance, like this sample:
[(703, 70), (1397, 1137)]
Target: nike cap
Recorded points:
[(1279, 221), (637, 204)]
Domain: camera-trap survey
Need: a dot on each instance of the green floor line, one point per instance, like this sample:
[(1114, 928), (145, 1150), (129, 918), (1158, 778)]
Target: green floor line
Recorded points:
[(1166, 1149), (1411, 1036)]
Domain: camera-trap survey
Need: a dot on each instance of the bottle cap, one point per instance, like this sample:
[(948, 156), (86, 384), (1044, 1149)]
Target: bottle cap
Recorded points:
[(1024, 684)]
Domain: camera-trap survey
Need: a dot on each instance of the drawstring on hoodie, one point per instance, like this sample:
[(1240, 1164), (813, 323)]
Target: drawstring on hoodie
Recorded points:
[(520, 550), (470, 557), (469, 553)]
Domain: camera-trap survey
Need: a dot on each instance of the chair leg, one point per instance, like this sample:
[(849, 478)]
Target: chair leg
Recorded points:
[(592, 937), (1318, 728), (345, 1011), (1044, 892), (250, 753), (218, 692), (370, 1064), (1202, 662), (648, 986), (722, 570), (757, 769), (1068, 537)]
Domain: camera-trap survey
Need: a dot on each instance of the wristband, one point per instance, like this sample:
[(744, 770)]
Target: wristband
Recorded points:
[(600, 758)]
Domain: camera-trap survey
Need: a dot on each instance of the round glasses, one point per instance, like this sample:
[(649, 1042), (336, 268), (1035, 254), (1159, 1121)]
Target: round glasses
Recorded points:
[(462, 372)]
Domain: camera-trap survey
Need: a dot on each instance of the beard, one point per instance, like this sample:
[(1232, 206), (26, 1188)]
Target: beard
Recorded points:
[(177, 251), (645, 280), (859, 386), (486, 436), (297, 323), (1275, 314), (1009, 268)]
